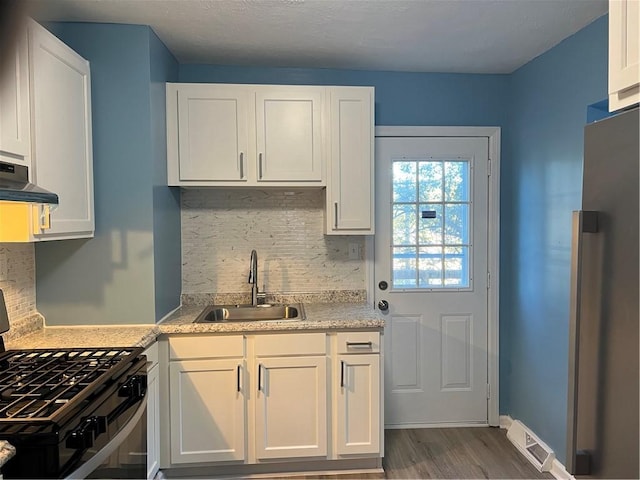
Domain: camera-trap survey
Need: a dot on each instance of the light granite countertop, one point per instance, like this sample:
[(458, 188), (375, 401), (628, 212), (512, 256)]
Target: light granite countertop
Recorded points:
[(7, 451), (87, 336), (319, 316)]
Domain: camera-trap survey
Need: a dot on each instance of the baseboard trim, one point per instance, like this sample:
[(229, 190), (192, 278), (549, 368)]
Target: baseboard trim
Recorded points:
[(558, 470), (433, 425), (505, 421)]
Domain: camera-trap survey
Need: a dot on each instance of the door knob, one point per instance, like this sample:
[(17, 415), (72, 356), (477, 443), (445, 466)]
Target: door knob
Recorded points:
[(383, 305)]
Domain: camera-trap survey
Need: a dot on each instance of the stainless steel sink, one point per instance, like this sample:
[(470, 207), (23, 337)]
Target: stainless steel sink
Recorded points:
[(249, 313)]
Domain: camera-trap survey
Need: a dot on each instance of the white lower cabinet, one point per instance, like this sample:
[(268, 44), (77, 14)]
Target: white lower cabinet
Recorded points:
[(291, 395), (271, 398), (358, 405), (207, 411)]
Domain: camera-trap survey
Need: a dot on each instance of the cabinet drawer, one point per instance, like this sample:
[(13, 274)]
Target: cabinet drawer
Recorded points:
[(291, 344), (358, 342), (200, 346)]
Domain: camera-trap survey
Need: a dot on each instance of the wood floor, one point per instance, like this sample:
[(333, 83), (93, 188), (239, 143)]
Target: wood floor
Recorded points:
[(450, 453)]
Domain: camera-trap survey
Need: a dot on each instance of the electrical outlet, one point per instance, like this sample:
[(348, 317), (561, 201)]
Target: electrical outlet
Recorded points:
[(354, 251)]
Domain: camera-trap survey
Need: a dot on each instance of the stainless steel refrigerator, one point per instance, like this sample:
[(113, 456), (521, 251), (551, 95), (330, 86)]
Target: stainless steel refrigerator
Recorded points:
[(602, 432)]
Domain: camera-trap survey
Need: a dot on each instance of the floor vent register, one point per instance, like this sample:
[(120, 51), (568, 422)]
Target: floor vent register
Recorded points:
[(536, 451)]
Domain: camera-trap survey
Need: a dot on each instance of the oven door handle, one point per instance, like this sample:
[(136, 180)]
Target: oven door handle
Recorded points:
[(105, 452)]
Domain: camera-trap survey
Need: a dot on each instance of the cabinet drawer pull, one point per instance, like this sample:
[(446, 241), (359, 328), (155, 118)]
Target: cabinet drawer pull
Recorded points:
[(259, 377), (362, 345), (241, 165), (260, 166), (342, 373), (238, 386), (335, 215)]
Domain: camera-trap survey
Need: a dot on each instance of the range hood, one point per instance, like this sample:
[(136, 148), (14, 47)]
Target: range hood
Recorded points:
[(15, 186)]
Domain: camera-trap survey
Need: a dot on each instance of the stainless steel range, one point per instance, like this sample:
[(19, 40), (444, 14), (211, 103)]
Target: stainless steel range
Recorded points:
[(77, 413)]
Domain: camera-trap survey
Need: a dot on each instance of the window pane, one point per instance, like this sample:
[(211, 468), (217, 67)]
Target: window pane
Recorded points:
[(456, 181), (456, 224), (430, 228), (456, 267), (404, 267), (430, 264), (404, 224), (430, 181), (404, 181)]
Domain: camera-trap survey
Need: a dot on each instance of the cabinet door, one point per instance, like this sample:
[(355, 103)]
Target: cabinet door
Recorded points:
[(14, 104), (624, 53), (207, 409), (350, 185), (61, 128), (358, 409), (213, 134), (289, 133), (153, 422), (291, 407)]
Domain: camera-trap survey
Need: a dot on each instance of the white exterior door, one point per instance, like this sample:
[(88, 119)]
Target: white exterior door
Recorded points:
[(431, 249)]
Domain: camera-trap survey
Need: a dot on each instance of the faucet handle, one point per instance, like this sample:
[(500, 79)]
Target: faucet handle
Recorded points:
[(261, 297)]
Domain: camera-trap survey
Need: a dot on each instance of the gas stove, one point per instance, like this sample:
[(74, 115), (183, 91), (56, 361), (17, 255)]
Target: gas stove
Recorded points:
[(44, 385), (61, 407)]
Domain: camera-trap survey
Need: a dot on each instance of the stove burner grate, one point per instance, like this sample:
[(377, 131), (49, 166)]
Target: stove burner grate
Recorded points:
[(35, 384)]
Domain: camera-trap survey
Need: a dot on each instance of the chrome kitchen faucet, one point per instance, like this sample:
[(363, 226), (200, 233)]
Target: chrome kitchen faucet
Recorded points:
[(253, 280)]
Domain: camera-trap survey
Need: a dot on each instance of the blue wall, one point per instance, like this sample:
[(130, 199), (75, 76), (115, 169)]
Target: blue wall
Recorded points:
[(401, 98), (542, 173), (110, 278), (166, 201)]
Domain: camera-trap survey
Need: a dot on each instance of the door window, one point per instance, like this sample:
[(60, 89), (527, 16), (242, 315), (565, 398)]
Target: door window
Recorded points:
[(431, 224)]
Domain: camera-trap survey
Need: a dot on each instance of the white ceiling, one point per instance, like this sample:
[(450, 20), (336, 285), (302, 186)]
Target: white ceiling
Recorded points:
[(466, 36)]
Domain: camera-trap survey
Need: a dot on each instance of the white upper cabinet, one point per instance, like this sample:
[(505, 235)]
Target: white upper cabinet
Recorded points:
[(289, 133), (45, 124), (14, 104), (62, 153), (234, 135), (213, 132), (624, 53), (349, 209)]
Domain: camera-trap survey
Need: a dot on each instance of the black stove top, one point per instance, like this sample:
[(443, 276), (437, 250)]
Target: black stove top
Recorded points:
[(40, 385), (60, 407)]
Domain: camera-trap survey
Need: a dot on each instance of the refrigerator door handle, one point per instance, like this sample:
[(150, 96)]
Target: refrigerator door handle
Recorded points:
[(583, 221)]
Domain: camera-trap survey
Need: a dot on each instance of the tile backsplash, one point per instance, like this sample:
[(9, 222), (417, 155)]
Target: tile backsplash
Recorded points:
[(220, 227), (17, 279)]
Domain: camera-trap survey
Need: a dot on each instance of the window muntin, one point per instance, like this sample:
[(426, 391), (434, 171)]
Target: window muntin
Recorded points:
[(432, 224)]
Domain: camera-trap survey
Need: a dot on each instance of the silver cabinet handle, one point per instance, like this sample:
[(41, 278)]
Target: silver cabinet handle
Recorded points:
[(241, 165), (335, 215), (260, 166), (342, 373), (582, 222), (259, 377), (363, 345), (238, 386)]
